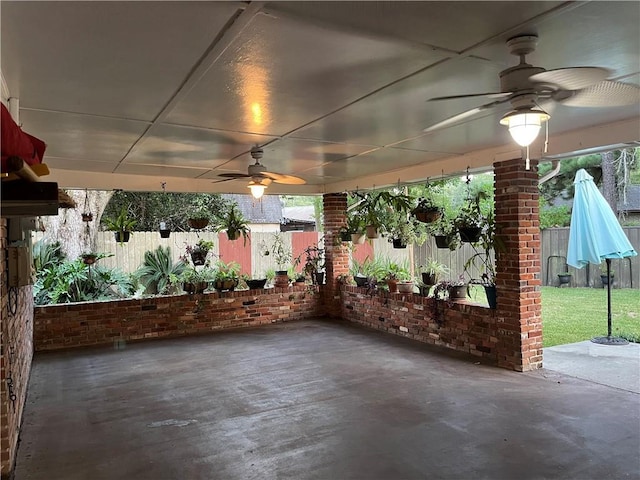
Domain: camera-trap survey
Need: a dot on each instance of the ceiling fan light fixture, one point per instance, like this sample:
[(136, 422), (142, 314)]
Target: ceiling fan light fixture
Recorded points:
[(524, 124), (257, 189)]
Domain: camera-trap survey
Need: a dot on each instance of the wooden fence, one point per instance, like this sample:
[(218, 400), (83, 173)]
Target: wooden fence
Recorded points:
[(554, 259), (129, 257)]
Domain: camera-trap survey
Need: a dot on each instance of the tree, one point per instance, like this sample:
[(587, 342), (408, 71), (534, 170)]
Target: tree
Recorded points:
[(609, 180), (67, 227), (151, 208)]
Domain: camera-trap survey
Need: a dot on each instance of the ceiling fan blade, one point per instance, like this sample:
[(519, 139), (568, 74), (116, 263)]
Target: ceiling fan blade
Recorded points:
[(572, 78), (234, 175), (461, 116), (471, 95), (604, 94), (286, 179), (223, 180)]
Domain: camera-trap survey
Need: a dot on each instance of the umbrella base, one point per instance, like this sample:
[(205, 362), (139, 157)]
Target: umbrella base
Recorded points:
[(609, 341)]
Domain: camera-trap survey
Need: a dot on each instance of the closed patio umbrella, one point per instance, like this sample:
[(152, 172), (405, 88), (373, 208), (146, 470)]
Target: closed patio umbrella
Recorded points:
[(596, 235)]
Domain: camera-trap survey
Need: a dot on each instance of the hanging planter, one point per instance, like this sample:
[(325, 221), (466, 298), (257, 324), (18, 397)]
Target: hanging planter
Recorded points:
[(122, 237), (198, 223), (357, 238), (426, 211), (398, 243), (444, 241), (470, 234), (89, 258), (319, 278), (164, 231), (492, 297), (372, 231)]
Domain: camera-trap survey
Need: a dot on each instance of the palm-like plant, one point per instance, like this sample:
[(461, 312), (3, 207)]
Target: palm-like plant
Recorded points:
[(157, 270)]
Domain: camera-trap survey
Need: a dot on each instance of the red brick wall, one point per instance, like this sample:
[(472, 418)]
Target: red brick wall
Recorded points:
[(98, 323), (336, 252), (16, 352), (463, 326), (518, 267)]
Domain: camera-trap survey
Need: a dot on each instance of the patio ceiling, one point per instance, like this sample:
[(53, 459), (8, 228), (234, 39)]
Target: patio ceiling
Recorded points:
[(131, 94)]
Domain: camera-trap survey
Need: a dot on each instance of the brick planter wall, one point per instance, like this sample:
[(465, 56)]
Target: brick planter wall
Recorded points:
[(16, 352), (464, 327), (102, 323)]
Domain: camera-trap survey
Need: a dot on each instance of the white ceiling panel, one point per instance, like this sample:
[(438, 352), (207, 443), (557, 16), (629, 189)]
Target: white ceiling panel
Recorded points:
[(109, 58), (160, 171), (402, 111), (280, 74), (428, 23), (57, 163), (174, 146), (83, 137)]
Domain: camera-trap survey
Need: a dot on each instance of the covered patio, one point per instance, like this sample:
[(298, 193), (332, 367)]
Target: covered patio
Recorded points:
[(143, 95)]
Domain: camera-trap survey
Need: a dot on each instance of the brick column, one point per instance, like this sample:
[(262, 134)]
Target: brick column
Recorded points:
[(519, 321), (336, 253)]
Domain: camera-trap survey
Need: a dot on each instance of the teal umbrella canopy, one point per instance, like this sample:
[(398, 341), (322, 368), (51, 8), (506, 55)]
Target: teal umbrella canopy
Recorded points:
[(594, 234)]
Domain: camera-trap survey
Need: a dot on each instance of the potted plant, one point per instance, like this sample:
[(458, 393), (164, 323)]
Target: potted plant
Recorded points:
[(313, 257), (121, 224), (373, 205), (199, 251), (235, 224), (199, 218), (444, 233), (432, 270), (89, 258), (603, 275), (469, 221), (426, 211), (227, 276), (195, 280), (165, 232), (282, 255), (486, 249), (451, 290), (564, 278), (355, 228), (396, 273)]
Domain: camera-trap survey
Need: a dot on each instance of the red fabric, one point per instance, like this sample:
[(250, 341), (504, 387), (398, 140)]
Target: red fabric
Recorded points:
[(15, 142)]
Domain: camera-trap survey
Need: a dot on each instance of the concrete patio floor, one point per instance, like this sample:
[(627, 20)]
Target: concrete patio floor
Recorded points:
[(316, 400)]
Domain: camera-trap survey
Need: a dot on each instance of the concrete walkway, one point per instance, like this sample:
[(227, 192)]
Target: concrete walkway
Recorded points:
[(315, 400), (613, 365)]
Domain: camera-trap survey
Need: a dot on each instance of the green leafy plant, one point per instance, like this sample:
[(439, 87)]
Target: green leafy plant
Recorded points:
[(122, 224), (158, 270), (280, 252), (235, 224), (434, 269)]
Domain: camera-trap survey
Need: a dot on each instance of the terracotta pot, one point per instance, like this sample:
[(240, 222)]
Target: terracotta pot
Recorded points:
[(393, 286), (372, 231), (357, 238)]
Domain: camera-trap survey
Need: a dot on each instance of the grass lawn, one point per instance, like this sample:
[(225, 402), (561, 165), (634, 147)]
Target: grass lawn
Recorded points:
[(572, 315)]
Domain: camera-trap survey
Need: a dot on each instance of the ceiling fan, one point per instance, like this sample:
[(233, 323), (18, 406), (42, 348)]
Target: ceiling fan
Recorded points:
[(532, 91), (260, 177)]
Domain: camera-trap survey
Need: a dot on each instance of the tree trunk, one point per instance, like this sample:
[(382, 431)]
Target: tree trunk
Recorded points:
[(609, 180), (67, 227)]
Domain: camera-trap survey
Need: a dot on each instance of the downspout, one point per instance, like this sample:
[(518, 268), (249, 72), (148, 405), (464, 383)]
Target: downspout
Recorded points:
[(554, 171)]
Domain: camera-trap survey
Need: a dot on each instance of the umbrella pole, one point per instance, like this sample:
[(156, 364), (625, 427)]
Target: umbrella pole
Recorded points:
[(608, 260), (609, 340)]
